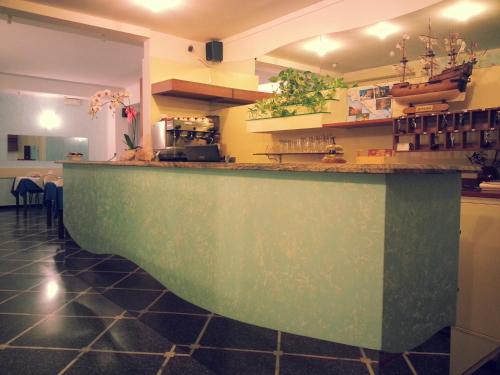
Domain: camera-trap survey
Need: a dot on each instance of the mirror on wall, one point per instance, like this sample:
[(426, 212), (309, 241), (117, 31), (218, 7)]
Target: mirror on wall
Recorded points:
[(41, 148)]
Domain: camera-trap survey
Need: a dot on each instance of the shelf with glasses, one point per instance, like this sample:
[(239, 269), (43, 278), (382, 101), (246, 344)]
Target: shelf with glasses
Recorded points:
[(279, 155), (467, 130)]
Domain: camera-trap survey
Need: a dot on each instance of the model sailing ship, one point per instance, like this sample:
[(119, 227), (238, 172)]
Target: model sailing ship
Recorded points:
[(439, 88)]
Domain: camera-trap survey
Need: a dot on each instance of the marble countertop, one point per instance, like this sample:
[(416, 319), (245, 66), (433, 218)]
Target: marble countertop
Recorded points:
[(291, 167)]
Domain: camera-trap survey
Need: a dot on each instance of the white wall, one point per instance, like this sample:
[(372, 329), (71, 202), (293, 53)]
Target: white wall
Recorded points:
[(19, 114)]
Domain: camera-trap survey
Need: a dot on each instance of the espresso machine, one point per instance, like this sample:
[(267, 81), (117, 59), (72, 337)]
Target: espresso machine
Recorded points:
[(187, 138)]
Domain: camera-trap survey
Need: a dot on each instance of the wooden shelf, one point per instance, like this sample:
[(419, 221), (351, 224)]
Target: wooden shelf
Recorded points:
[(202, 91), (359, 124), (469, 130), (480, 194)]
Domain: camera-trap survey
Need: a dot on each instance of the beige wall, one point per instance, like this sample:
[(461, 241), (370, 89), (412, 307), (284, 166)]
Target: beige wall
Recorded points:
[(236, 141)]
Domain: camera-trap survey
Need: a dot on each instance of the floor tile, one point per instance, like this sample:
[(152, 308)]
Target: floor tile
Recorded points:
[(11, 325), (186, 366), (236, 362), (86, 255), (43, 302), (171, 303), (305, 345), (66, 283), (131, 299), (96, 363), (394, 365), (39, 362), (63, 332), (298, 365), (439, 343), (115, 265), (79, 264), (133, 336), (44, 267), (49, 247), (7, 265), (430, 364), (19, 245), (4, 294), (19, 282), (100, 279), (140, 281), (228, 333), (91, 305), (28, 255), (179, 329)]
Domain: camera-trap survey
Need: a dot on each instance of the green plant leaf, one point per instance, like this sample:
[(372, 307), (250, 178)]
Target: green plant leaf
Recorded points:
[(128, 141)]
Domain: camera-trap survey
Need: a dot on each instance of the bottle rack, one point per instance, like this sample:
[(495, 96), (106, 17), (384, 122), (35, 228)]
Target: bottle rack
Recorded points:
[(467, 130)]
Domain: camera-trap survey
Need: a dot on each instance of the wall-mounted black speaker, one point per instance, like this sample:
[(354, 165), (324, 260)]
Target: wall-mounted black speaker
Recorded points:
[(214, 51)]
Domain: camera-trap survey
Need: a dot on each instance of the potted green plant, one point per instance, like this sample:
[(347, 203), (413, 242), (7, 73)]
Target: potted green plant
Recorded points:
[(297, 93), (489, 167)]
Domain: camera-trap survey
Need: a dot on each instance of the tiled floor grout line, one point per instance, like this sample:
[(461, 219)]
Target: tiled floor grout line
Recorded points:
[(146, 309), (278, 353), (120, 280), (410, 365), (42, 348), (89, 346), (367, 361), (23, 291), (196, 344), (26, 265), (90, 267), (429, 353), (168, 355), (46, 317), (173, 312)]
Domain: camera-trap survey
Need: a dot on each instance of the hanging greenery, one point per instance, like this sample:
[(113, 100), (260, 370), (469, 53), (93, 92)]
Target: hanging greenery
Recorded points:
[(297, 89)]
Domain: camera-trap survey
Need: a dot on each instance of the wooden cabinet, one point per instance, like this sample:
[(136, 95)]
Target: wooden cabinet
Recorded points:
[(477, 330), (468, 130)]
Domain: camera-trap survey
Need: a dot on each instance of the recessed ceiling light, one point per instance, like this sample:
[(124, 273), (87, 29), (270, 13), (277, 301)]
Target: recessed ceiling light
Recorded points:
[(382, 29), (158, 5), (322, 45), (463, 10)]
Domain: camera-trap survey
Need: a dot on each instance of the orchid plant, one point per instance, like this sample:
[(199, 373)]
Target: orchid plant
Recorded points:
[(115, 100)]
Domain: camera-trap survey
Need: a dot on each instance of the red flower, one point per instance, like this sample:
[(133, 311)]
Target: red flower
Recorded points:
[(131, 114)]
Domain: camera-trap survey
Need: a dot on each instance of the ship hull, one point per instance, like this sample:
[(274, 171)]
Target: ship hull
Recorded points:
[(446, 86)]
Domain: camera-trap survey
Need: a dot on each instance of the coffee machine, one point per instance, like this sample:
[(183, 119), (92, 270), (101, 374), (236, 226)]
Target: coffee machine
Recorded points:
[(173, 135)]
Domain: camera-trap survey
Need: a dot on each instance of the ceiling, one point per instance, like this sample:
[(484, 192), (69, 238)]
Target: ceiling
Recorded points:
[(362, 51), (43, 52), (194, 19)]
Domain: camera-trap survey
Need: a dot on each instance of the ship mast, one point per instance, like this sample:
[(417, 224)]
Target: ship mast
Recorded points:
[(454, 45), (403, 67), (428, 57)]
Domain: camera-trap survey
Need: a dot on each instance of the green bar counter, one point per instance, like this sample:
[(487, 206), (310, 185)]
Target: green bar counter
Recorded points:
[(363, 255)]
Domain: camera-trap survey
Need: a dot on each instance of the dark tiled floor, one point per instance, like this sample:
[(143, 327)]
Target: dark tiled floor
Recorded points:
[(64, 310)]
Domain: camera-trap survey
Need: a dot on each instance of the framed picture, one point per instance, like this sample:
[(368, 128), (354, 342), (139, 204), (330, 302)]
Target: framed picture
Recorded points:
[(369, 102)]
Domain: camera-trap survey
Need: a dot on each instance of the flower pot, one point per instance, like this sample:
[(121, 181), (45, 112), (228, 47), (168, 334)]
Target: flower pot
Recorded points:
[(487, 174), (127, 155)]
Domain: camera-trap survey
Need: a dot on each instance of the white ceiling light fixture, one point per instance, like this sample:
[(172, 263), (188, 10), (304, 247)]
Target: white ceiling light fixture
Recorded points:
[(463, 10), (157, 6), (49, 120), (382, 29), (322, 45)]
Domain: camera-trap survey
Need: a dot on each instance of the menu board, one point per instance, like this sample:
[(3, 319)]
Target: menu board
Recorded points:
[(369, 102)]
